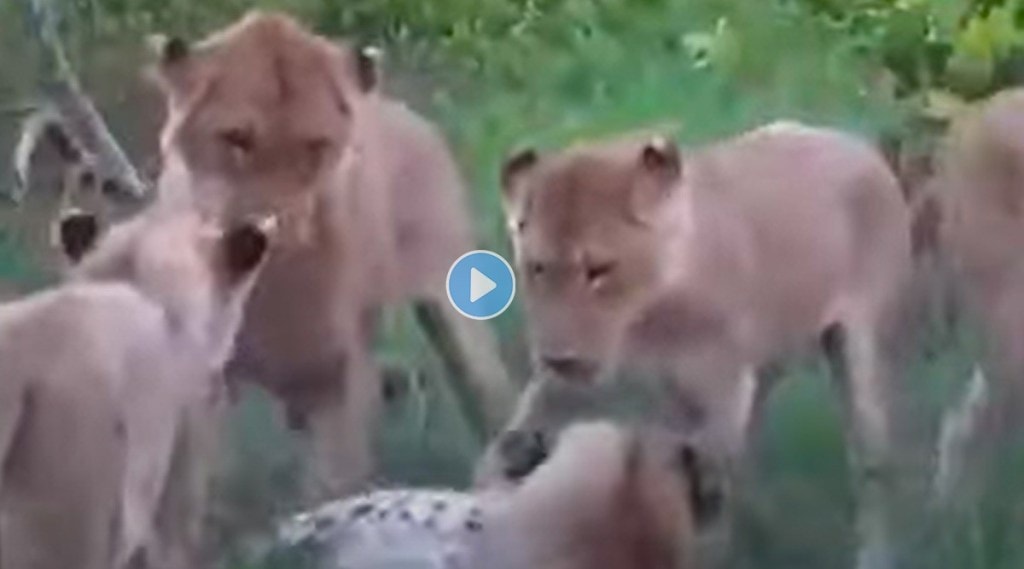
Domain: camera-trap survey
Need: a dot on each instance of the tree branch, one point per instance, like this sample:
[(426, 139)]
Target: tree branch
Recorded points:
[(66, 103)]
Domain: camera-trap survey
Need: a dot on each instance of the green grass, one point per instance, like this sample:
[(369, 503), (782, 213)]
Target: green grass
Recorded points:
[(798, 511), (15, 268), (584, 71)]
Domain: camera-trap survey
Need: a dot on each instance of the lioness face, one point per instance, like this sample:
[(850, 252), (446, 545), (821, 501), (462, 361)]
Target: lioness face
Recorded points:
[(260, 116), (585, 233)]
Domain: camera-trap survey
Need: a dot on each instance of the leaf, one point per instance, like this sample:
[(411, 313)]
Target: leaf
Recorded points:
[(719, 49), (990, 35), (943, 105), (968, 74), (945, 15)]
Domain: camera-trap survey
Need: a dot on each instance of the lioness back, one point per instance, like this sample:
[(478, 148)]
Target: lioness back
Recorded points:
[(765, 238), (803, 214), (980, 183), (62, 437), (428, 214)]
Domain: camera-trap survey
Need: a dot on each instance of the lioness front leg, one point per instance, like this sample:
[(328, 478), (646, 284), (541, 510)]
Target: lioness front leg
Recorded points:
[(178, 538), (545, 406), (340, 425), (862, 371), (720, 405)]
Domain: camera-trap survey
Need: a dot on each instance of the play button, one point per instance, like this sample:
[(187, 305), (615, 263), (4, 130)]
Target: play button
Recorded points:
[(481, 285)]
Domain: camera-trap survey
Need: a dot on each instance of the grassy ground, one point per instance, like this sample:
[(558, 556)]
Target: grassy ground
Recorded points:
[(618, 75), (798, 511)]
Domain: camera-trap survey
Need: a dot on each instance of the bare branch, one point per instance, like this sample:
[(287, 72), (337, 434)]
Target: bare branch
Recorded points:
[(85, 125), (18, 109), (79, 118), (32, 130)]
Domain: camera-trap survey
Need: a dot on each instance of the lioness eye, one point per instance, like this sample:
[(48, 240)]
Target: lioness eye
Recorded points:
[(316, 150), (598, 272), (238, 140)]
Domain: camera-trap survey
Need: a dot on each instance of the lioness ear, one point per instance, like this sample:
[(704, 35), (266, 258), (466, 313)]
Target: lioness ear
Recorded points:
[(170, 50), (659, 169), (660, 157), (77, 234), (515, 166), (173, 56), (368, 63), (703, 485)]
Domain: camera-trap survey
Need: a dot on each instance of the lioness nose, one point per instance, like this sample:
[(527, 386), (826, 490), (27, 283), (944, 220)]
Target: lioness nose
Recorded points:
[(570, 367)]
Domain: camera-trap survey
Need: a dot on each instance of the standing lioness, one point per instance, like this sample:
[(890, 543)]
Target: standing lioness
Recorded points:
[(109, 383), (980, 185), (267, 117), (707, 267)]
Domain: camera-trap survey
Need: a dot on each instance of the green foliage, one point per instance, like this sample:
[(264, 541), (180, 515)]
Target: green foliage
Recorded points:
[(968, 48), (498, 74)]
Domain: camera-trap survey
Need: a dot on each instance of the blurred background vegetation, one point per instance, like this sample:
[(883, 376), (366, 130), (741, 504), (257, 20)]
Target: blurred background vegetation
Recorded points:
[(497, 74)]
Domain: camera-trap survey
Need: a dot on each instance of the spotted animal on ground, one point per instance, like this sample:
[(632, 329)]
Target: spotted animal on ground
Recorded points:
[(605, 496)]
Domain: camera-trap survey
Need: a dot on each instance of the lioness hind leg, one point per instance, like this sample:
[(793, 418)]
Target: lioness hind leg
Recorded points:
[(960, 437), (991, 410), (861, 372)]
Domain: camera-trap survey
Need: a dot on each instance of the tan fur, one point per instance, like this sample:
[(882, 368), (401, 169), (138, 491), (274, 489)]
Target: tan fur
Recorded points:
[(372, 209), (979, 180), (711, 267), (608, 497), (8, 291), (98, 376)]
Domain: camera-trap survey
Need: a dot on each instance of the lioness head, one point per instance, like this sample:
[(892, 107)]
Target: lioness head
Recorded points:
[(260, 115), (612, 496), (199, 273), (586, 226)]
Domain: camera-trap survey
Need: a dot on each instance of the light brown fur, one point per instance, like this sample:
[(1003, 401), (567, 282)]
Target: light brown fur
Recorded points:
[(710, 267), (978, 184), (98, 376), (608, 497), (264, 116)]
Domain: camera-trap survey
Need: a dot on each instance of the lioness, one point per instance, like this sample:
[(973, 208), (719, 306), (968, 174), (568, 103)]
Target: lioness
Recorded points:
[(266, 117), (608, 496), (103, 381), (978, 184), (706, 267)]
